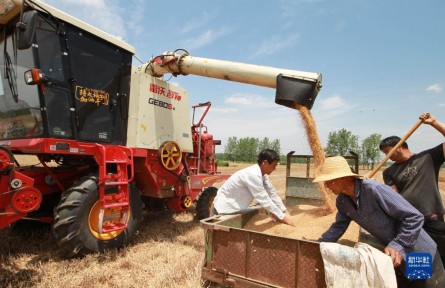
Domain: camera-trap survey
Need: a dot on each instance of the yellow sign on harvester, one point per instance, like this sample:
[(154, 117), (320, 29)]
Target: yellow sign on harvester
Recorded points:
[(89, 95)]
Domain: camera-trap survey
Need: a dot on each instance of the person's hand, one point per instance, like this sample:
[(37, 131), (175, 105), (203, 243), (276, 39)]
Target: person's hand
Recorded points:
[(427, 118), (287, 220), (273, 217), (396, 257)]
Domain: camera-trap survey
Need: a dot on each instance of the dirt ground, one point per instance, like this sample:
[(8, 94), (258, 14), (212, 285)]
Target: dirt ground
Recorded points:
[(166, 252)]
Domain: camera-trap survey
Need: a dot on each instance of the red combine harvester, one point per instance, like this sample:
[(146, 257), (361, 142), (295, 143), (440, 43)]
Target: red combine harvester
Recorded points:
[(110, 138)]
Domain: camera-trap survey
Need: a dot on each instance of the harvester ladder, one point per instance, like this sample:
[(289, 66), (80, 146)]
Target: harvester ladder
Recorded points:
[(115, 166)]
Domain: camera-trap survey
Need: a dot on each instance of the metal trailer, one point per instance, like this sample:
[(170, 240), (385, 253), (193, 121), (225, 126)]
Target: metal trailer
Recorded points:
[(236, 257)]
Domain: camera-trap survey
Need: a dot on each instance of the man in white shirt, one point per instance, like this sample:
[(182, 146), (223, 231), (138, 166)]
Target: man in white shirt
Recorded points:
[(250, 183)]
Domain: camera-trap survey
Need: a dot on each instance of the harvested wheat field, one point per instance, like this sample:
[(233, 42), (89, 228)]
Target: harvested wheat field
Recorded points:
[(167, 251)]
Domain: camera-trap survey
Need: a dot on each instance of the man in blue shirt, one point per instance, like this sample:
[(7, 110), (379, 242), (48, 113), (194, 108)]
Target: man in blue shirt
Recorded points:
[(383, 213)]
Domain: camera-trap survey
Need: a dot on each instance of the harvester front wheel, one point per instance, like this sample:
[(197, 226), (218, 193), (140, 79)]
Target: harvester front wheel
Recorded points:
[(73, 221), (205, 202)]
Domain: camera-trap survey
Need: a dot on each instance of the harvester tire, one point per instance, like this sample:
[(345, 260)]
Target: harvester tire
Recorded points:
[(72, 228), (204, 203)]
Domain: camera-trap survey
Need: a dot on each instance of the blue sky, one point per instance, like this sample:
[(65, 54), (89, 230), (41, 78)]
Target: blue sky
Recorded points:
[(382, 61)]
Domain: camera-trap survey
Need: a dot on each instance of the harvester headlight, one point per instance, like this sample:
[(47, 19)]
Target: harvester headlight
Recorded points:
[(35, 76)]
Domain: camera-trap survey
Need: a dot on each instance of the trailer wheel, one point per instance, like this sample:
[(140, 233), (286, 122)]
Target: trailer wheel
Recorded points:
[(205, 202), (73, 226)]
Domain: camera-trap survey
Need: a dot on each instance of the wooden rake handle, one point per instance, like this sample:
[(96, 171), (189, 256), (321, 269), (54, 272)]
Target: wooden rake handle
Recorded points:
[(411, 131)]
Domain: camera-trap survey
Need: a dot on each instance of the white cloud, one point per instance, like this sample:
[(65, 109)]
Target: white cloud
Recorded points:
[(341, 25), (91, 3), (246, 99), (197, 23), (335, 102), (290, 8), (309, 1), (434, 88), (441, 104), (224, 110), (205, 38), (332, 107), (138, 16), (102, 14), (275, 44)]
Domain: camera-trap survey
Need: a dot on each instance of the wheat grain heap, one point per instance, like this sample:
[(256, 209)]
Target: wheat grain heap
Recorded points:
[(310, 221)]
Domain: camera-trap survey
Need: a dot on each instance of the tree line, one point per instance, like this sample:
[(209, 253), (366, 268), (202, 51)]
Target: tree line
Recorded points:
[(343, 142), (247, 149), (339, 143)]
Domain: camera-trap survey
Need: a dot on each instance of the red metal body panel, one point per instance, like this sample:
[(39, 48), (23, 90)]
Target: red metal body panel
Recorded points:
[(179, 187), (22, 187), (156, 181), (8, 202)]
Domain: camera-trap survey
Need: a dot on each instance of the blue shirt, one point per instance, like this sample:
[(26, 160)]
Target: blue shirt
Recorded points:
[(383, 213)]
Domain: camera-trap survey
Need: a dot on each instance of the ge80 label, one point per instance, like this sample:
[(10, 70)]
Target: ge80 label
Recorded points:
[(160, 103)]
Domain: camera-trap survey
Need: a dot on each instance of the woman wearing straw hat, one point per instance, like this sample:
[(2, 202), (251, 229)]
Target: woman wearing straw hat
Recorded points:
[(383, 213)]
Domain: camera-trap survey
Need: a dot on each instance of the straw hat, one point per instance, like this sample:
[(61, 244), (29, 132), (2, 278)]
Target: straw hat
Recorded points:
[(333, 168)]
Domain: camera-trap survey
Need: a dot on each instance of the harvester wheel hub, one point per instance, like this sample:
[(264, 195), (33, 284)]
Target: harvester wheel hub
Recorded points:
[(170, 155), (26, 200), (187, 202), (111, 216)]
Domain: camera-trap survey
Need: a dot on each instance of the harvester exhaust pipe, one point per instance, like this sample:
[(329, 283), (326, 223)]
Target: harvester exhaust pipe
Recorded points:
[(292, 87)]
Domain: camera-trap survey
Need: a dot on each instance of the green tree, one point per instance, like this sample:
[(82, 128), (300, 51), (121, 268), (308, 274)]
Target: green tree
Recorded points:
[(370, 149), (230, 148), (341, 142), (276, 146), (264, 144), (247, 149), (267, 144)]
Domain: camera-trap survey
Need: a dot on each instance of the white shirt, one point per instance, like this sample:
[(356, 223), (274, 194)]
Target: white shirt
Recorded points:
[(247, 184)]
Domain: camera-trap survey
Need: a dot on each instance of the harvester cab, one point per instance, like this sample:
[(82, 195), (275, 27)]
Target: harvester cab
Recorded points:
[(110, 138), (48, 92)]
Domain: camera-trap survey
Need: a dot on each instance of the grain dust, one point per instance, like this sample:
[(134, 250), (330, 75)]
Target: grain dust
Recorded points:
[(317, 151)]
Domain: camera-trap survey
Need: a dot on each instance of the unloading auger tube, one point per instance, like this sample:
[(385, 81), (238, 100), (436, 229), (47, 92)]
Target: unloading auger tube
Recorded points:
[(291, 86)]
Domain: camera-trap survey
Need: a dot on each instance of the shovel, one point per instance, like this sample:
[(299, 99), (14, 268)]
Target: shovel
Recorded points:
[(411, 131)]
